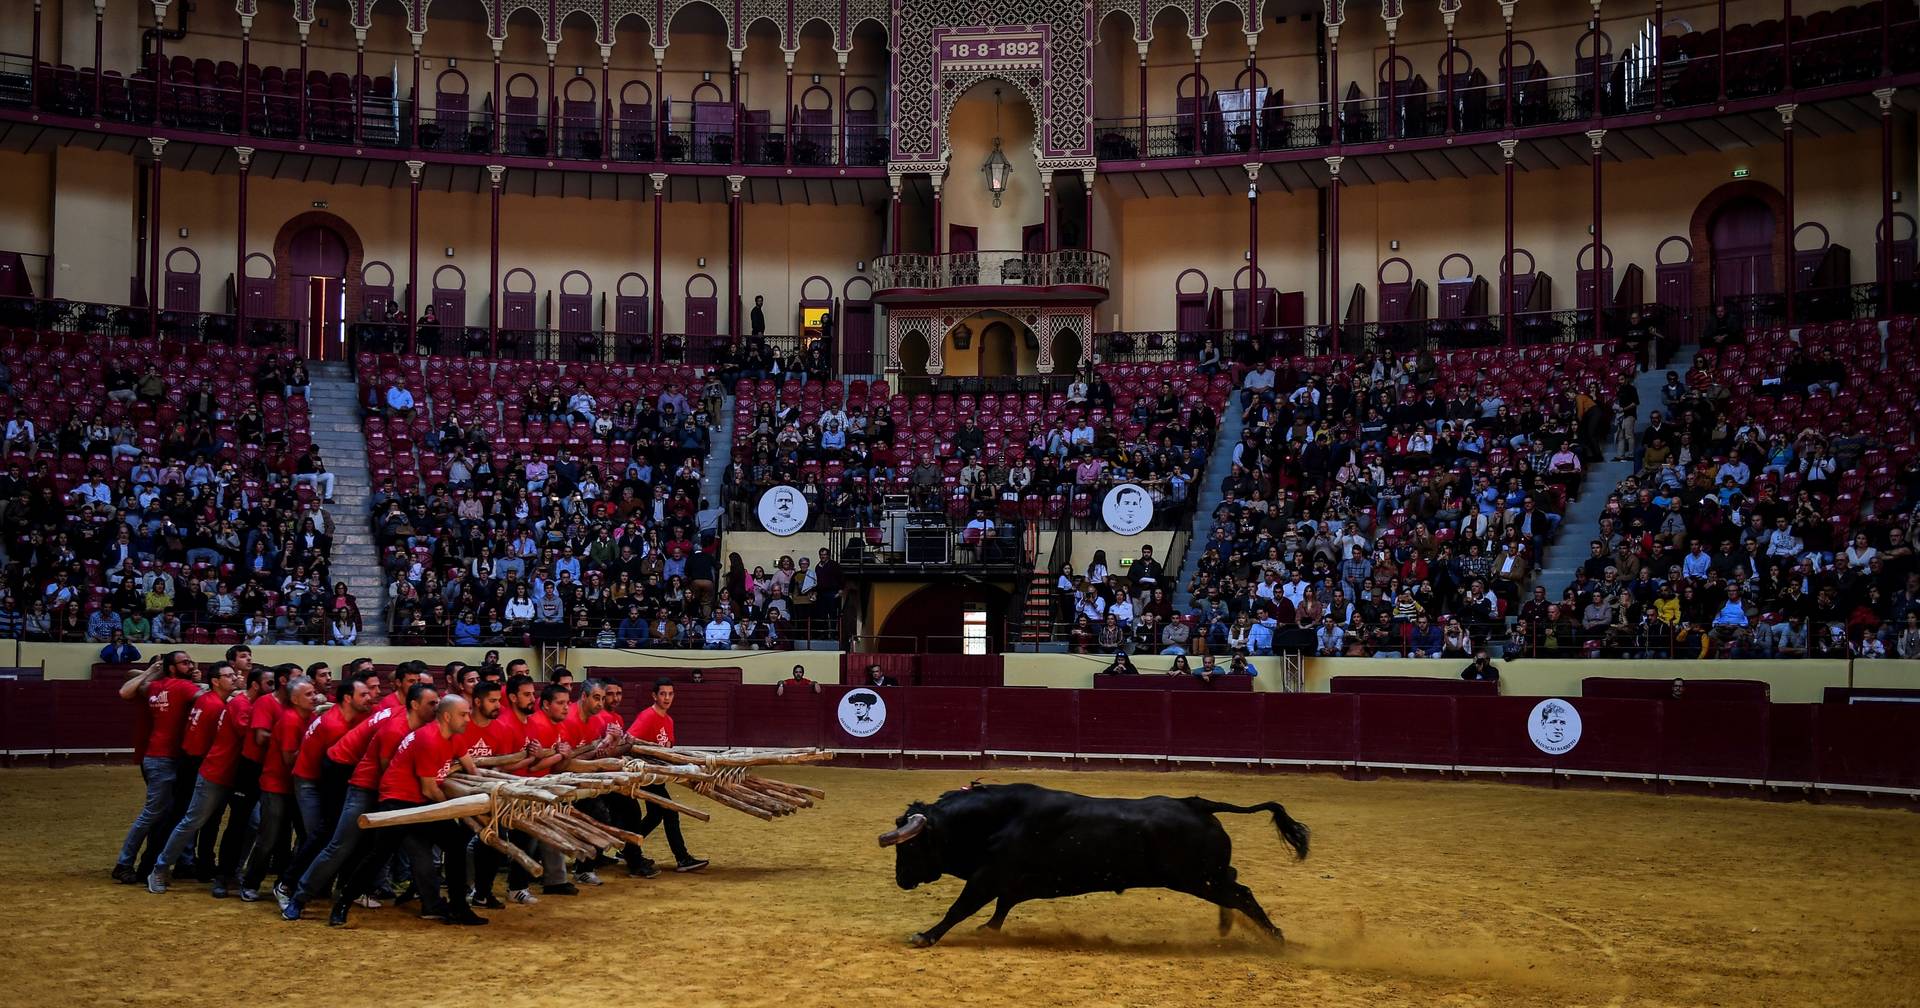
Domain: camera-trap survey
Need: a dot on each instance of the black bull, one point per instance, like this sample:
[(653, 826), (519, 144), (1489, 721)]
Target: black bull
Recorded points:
[(1018, 842)]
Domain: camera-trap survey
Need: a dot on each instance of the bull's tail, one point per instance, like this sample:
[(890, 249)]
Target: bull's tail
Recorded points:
[(1293, 831)]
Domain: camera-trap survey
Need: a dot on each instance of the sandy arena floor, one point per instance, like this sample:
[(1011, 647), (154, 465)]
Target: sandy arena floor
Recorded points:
[(1417, 893)]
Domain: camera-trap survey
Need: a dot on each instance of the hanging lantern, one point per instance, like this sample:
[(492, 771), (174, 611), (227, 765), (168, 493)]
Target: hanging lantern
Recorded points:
[(996, 169)]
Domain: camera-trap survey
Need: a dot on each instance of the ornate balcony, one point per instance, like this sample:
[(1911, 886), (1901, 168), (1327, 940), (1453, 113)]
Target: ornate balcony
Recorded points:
[(1065, 275)]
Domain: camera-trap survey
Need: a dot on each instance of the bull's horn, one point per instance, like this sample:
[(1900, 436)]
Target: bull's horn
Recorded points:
[(915, 823)]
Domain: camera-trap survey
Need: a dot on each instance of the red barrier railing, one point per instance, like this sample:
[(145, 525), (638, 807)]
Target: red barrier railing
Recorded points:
[(1851, 747)]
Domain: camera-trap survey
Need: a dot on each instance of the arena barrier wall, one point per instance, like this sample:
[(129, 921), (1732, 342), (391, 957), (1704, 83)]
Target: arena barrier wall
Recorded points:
[(1864, 748)]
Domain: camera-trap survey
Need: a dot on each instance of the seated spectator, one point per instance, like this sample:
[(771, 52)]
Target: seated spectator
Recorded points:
[(118, 651)]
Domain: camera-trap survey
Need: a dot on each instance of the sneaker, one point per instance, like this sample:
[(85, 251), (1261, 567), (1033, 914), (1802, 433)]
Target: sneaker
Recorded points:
[(338, 918), (281, 893), (250, 895), (220, 887), (384, 892), (524, 897), (124, 874), (440, 912), (586, 878), (691, 864), (487, 901), (291, 910), (563, 889), (369, 903), (157, 882), (463, 916), (642, 869)]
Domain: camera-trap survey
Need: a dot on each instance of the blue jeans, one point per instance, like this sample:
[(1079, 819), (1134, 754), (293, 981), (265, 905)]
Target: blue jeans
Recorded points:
[(307, 798), (346, 833), (269, 838), (208, 798), (158, 772)]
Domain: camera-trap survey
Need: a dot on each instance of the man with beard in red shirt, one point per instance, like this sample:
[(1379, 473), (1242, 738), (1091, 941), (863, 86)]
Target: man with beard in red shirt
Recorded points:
[(210, 789), (411, 779), (654, 726), (544, 732), (276, 786), (319, 785), (365, 747), (166, 692)]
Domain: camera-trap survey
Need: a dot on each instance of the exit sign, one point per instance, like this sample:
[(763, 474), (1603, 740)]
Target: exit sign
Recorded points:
[(1739, 173)]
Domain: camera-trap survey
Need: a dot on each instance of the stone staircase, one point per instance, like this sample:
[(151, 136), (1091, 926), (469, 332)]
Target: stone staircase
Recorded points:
[(1208, 496), (335, 409), (1577, 527), (721, 435)]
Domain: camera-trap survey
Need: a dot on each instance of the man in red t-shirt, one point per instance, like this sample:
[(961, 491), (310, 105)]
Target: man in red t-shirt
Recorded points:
[(654, 726), (366, 747), (276, 784), (318, 792), (165, 691), (498, 731), (243, 791), (210, 788), (411, 779)]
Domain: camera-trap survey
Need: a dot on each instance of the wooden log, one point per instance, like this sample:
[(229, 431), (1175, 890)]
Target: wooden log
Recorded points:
[(667, 803), (737, 805), (810, 792), (454, 808), (507, 848)]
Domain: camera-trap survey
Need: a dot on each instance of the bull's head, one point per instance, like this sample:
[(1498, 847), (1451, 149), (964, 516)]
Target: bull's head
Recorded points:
[(915, 846)]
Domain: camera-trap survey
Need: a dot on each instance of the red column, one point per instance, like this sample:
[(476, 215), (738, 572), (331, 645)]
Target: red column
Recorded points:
[(1720, 58), (734, 185), (413, 107), (842, 55), (1086, 226), (153, 237), (498, 146), (359, 71), (1659, 43), (1599, 71), (1046, 211), (1506, 271), (1253, 246), (1598, 139), (659, 131), (1199, 107), (553, 106), (33, 73), (413, 252), (733, 98), (659, 207), (494, 174), (939, 230), (1786, 191), (99, 33), (606, 102), (1451, 124), (1393, 78), (245, 154), (893, 216), (1333, 249), (1885, 95), (304, 27), (1786, 47), (1333, 82), (1142, 48), (786, 148), (1506, 60), (246, 57)]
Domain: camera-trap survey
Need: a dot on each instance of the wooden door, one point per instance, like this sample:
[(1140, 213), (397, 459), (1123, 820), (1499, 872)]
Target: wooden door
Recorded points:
[(856, 337), (703, 316), (1742, 236)]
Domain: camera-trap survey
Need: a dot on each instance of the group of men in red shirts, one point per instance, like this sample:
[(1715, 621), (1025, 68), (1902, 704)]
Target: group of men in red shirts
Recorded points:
[(313, 756)]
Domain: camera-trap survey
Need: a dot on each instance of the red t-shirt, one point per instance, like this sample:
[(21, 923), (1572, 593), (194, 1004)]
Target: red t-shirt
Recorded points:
[(542, 729), (424, 752), (604, 720), (228, 738), (351, 746), (504, 734), (395, 700), (386, 738), (168, 701), (276, 776), (322, 732), (653, 727), (202, 722), (264, 716), (578, 731)]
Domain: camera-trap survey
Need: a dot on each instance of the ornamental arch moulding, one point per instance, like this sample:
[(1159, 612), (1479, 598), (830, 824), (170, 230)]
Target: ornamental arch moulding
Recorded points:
[(360, 13), (618, 11), (490, 8), (541, 11), (1129, 9), (595, 12), (670, 9), (956, 87)]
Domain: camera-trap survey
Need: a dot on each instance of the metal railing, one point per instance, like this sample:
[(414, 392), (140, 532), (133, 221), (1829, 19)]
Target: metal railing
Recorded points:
[(1063, 267)]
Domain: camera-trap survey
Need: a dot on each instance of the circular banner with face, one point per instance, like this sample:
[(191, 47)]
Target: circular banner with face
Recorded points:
[(1554, 727), (783, 510), (1127, 509), (862, 713)]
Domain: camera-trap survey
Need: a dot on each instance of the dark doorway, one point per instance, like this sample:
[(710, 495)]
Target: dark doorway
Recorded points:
[(1742, 237), (996, 350), (318, 256)]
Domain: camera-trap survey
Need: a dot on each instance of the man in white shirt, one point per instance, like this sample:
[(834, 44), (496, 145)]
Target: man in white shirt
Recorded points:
[(1295, 590), (20, 435), (1092, 606), (1258, 384), (719, 633), (1077, 391), (1122, 610)]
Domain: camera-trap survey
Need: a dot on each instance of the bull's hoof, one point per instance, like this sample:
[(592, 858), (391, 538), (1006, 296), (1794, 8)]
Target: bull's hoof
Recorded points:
[(920, 941), (1279, 937), (988, 926)]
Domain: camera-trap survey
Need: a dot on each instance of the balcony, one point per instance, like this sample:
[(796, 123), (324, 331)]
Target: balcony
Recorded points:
[(1065, 275)]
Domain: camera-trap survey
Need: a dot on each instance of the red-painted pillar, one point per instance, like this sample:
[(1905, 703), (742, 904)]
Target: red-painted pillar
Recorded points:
[(1786, 192), (33, 72), (246, 57), (245, 155), (413, 253), (1659, 44), (659, 130), (1598, 139), (734, 184), (499, 145), (1393, 78), (1046, 211), (305, 27), (494, 176), (1141, 148), (1885, 96), (1506, 269), (1333, 249), (893, 216), (659, 215), (606, 102), (786, 147), (937, 180), (841, 55), (359, 71), (733, 99), (99, 45), (153, 236), (1086, 224), (1506, 60), (1720, 58), (413, 107), (1253, 246)]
